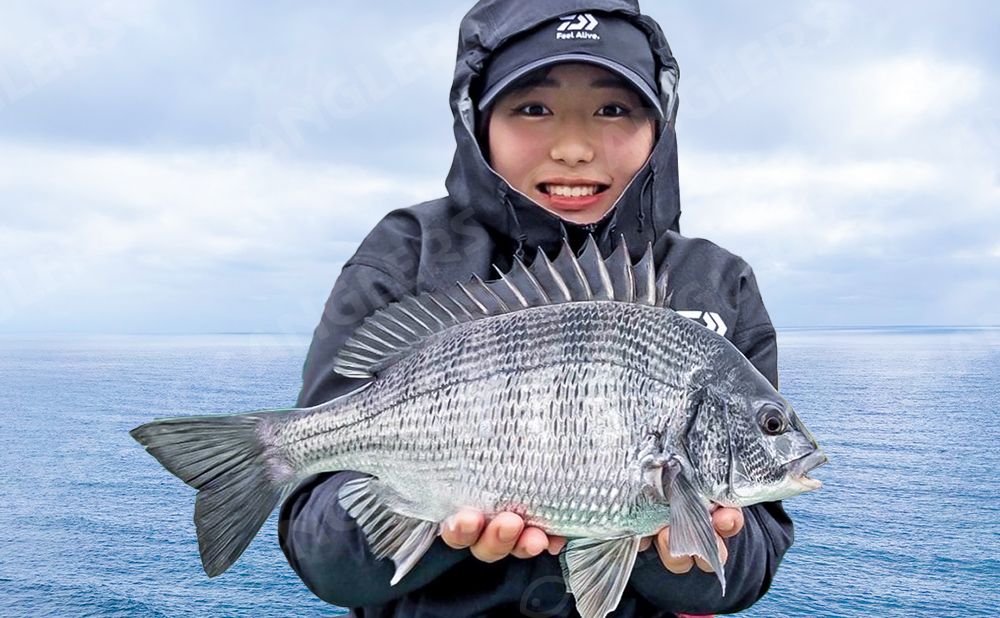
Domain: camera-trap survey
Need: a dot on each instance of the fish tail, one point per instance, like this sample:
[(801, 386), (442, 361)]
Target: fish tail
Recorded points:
[(240, 475)]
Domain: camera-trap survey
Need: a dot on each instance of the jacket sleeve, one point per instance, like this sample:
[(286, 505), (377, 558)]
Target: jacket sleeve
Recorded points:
[(320, 540), (754, 553)]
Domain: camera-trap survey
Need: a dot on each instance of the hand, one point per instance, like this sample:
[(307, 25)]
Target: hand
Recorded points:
[(727, 521), (505, 534)]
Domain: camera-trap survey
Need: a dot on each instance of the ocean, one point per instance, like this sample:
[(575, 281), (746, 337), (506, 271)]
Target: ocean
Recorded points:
[(90, 525)]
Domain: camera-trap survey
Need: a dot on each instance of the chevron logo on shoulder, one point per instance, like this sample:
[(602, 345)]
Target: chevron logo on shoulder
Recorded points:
[(710, 319), (578, 26)]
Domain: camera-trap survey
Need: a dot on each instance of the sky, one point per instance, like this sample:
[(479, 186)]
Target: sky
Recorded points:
[(172, 166)]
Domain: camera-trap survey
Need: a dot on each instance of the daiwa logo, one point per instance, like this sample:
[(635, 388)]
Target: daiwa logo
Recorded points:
[(710, 319), (579, 26)]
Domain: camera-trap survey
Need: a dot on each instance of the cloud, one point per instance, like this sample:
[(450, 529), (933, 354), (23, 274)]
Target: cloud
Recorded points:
[(44, 43), (179, 223), (893, 97), (863, 239), (819, 205)]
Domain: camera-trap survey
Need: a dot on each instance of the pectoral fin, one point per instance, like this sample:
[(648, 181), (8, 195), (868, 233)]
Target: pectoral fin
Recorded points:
[(390, 535), (596, 572), (691, 531)]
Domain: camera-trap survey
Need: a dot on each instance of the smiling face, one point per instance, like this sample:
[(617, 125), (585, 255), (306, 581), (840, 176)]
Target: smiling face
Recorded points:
[(571, 139)]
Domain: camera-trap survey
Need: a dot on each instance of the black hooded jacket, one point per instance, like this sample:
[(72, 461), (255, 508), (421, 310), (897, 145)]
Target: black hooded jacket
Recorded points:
[(482, 222)]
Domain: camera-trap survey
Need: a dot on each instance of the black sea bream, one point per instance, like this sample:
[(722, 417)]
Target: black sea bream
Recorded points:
[(568, 393)]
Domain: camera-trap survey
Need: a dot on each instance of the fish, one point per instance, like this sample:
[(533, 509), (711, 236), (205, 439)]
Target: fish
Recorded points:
[(569, 393)]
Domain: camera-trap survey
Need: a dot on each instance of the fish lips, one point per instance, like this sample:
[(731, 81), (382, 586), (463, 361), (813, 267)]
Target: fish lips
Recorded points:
[(798, 469)]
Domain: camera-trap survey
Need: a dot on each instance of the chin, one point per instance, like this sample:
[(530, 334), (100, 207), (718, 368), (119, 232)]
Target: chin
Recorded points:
[(580, 218)]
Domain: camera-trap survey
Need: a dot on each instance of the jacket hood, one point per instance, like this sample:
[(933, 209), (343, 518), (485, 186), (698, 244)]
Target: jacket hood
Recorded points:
[(649, 206)]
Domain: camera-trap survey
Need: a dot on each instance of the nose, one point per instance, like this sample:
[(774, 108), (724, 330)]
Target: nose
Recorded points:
[(572, 145)]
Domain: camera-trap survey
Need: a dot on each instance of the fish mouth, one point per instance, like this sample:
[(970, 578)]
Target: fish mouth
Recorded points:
[(797, 470)]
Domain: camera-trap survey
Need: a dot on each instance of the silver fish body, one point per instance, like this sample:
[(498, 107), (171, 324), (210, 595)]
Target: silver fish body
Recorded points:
[(568, 393), (543, 412)]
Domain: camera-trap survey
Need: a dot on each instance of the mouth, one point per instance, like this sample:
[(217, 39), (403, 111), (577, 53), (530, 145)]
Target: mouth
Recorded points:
[(576, 195), (797, 469)]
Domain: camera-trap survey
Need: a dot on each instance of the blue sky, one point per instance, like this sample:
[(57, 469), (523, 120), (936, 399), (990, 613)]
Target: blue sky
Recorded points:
[(180, 166)]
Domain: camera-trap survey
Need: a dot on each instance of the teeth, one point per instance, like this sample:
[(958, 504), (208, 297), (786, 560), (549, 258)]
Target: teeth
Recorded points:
[(571, 191)]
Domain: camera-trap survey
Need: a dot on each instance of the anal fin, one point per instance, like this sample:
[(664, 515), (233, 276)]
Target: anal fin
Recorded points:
[(691, 531), (390, 535), (596, 572)]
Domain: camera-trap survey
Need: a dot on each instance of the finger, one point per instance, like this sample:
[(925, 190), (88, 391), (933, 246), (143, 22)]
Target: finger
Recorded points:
[(499, 537), (462, 529), (674, 564), (645, 542), (556, 544), (728, 521), (723, 556), (532, 542)]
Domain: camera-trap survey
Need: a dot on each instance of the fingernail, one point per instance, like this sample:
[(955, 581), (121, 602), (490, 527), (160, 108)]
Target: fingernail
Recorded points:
[(450, 525), (728, 525)]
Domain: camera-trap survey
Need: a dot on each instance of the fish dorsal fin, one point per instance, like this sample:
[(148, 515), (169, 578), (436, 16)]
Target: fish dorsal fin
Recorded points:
[(405, 325)]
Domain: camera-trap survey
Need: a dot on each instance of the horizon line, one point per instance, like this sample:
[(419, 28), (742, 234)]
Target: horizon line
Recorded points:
[(843, 327)]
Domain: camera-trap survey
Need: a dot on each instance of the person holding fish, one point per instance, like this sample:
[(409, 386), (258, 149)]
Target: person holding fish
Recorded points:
[(564, 122), (581, 437)]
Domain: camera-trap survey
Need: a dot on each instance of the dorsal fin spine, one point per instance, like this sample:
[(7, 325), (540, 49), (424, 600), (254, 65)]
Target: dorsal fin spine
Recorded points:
[(406, 311), (397, 322), (452, 316), (367, 332), (560, 283), (475, 300), (575, 265), (513, 289), (609, 289), (592, 252), (467, 313), (423, 307), (374, 323), (648, 275), (356, 342), (661, 288), (499, 301), (627, 271), (533, 280)]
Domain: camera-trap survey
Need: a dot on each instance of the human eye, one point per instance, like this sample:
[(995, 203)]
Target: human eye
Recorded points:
[(614, 110), (532, 109)]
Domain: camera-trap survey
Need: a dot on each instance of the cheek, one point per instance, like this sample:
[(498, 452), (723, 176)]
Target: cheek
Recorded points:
[(514, 152), (627, 148)]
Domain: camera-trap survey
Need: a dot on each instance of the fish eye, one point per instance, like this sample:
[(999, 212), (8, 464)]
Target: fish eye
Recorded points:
[(771, 420)]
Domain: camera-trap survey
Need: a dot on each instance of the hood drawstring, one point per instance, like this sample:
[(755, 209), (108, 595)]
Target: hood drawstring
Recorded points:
[(610, 231), (641, 215), (517, 232)]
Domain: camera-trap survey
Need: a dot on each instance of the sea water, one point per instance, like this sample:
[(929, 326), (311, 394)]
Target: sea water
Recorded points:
[(906, 524)]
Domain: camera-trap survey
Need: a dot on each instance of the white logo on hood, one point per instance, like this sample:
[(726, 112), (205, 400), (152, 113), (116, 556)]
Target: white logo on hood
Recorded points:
[(579, 26)]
